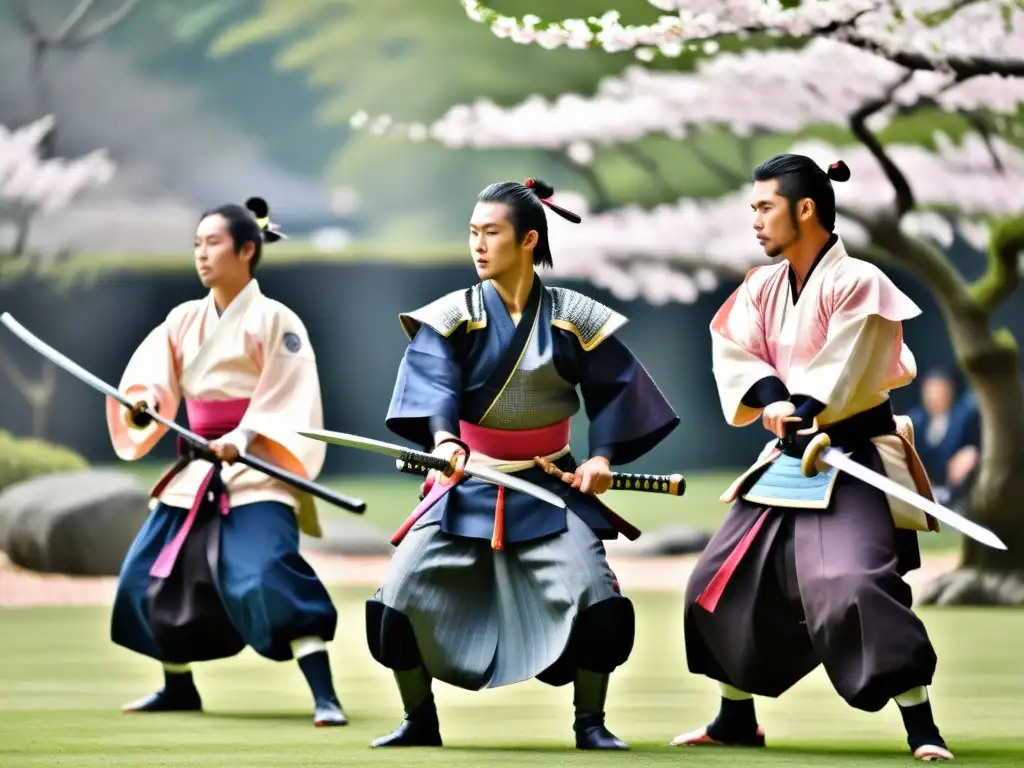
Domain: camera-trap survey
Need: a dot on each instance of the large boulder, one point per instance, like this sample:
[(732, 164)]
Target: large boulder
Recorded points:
[(78, 523)]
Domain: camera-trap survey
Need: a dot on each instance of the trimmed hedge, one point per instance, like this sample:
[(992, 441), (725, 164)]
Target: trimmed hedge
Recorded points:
[(22, 459)]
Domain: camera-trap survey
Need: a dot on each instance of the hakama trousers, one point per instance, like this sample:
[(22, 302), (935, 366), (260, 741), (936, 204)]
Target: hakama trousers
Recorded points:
[(264, 593), (816, 587)]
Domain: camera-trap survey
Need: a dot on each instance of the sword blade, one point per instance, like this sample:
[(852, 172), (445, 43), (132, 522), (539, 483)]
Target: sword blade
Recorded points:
[(345, 502), (480, 472), (496, 477), (56, 357), (844, 463)]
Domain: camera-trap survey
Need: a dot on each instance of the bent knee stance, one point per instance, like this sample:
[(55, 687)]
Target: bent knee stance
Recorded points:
[(390, 637), (601, 640), (604, 635)]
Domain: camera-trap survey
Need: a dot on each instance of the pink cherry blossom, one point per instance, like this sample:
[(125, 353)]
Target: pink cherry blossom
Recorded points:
[(29, 184), (776, 90), (671, 252), (930, 32)]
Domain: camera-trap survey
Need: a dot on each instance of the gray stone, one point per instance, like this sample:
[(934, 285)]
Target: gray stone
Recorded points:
[(345, 535), (78, 523), (678, 539)]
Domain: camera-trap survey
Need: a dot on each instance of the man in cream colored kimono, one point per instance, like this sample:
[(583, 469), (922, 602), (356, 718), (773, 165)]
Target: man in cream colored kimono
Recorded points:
[(807, 571), (216, 566)]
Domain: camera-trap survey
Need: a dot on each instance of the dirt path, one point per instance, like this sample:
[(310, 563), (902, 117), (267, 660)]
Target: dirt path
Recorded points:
[(27, 588)]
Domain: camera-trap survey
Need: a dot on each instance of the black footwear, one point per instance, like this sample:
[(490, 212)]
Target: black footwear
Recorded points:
[(419, 728), (592, 734), (164, 700)]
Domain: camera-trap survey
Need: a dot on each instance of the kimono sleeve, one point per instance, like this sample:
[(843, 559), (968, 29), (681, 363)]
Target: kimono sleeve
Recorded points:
[(627, 412), (863, 347), (287, 396), (151, 375), (745, 378), (427, 392)]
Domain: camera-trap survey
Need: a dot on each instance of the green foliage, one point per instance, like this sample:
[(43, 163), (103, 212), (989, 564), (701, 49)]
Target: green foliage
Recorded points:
[(22, 459), (425, 58)]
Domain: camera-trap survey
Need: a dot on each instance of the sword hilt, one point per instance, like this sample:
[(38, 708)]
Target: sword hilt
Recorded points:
[(674, 485), (417, 463), (809, 464)]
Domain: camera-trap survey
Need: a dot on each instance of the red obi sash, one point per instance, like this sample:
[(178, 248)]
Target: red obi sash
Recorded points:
[(209, 419), (501, 444)]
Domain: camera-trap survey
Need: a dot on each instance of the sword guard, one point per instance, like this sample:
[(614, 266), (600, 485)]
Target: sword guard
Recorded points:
[(809, 464)]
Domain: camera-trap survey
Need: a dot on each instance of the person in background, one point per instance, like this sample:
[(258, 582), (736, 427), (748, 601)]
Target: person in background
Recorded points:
[(947, 432)]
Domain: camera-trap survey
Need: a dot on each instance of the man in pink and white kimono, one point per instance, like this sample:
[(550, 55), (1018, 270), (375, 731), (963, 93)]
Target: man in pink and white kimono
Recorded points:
[(808, 570), (216, 566)]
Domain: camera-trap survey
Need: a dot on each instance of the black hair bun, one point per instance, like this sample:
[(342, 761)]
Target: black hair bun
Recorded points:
[(540, 189), (261, 210), (258, 206), (839, 171)]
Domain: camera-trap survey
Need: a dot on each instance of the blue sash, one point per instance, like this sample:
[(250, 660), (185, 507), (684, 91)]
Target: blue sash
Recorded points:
[(782, 484)]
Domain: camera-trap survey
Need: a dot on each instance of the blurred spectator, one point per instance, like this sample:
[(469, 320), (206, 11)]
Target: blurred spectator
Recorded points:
[(947, 433)]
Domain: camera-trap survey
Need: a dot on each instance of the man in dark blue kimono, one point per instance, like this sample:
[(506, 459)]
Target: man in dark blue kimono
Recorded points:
[(489, 586)]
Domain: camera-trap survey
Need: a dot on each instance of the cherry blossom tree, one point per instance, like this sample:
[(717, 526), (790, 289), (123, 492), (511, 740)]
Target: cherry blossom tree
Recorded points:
[(30, 185), (862, 64)]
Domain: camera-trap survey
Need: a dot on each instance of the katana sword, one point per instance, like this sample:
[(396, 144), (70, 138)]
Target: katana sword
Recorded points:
[(428, 460), (820, 449), (673, 485), (345, 502)]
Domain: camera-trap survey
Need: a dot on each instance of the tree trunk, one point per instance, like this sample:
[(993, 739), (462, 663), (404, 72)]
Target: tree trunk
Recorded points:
[(989, 576), (990, 360)]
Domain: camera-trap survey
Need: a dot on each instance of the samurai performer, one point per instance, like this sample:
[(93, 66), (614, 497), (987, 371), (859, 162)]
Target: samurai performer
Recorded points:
[(489, 586), (808, 570), (216, 566)]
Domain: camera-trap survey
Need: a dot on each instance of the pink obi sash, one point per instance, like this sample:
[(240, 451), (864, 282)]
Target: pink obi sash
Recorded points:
[(209, 419), (501, 444)]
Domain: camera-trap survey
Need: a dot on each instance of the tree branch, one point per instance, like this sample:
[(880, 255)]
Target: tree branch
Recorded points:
[(984, 129), (26, 22), (927, 263), (726, 174), (17, 378), (1002, 275), (962, 66), (858, 125), (105, 25), (601, 197), (72, 22), (647, 164)]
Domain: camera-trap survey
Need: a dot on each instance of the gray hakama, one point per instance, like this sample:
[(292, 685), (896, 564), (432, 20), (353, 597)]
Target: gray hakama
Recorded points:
[(491, 587)]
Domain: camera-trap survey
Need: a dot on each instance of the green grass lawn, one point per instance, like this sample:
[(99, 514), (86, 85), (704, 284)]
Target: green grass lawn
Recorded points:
[(390, 499), (62, 684)]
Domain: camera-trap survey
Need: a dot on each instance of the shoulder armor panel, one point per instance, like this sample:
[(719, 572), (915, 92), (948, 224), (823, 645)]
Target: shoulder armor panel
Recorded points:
[(447, 313), (586, 318)]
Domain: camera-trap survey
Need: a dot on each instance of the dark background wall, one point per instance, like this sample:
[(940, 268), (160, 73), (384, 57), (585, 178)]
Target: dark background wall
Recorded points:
[(351, 313)]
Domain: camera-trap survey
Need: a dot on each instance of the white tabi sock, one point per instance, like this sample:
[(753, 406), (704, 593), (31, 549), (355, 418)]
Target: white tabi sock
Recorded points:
[(913, 697), (733, 694), (177, 669), (307, 645)]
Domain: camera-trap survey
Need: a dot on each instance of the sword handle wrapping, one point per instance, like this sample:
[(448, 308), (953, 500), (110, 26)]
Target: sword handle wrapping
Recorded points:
[(674, 485), (418, 464)]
